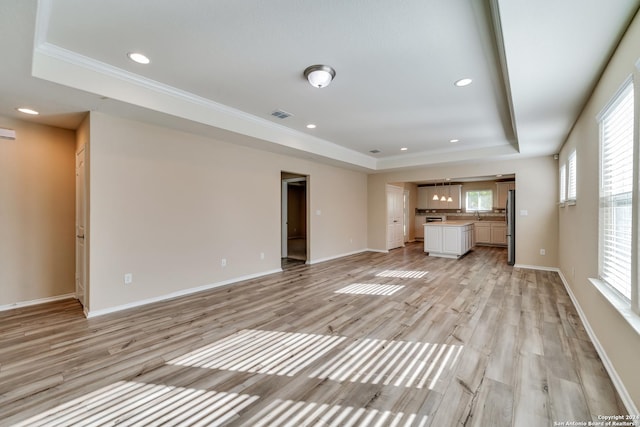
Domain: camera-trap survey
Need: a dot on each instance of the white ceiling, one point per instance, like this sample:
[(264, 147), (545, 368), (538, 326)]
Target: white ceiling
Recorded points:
[(221, 67)]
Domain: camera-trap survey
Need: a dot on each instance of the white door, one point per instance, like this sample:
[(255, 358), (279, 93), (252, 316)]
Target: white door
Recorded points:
[(81, 218), (395, 217)]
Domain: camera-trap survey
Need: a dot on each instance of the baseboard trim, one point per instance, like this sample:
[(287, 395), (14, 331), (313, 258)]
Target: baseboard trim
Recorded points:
[(537, 267), (331, 258), (36, 302), (381, 251), (184, 292), (608, 365)]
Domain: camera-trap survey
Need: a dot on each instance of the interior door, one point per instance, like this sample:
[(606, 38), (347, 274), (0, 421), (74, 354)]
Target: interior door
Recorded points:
[(395, 217), (81, 217)]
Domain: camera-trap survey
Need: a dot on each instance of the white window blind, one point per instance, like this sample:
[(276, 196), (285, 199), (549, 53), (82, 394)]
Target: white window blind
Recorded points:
[(616, 184), (571, 184), (563, 183)]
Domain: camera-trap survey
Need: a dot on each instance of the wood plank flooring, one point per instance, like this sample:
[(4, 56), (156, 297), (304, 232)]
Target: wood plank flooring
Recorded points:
[(370, 339)]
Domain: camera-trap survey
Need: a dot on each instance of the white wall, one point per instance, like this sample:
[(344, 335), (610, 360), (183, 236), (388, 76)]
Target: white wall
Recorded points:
[(167, 206), (536, 192), (578, 245), (37, 219)]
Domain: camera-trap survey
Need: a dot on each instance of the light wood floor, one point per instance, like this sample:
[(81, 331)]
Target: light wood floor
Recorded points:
[(371, 339)]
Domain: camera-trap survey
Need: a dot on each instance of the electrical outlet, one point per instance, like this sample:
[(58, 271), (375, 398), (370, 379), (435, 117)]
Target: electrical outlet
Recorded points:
[(128, 279), (543, 252), (223, 262)]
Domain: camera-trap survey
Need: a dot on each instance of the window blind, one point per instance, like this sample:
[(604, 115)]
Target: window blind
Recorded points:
[(563, 183), (571, 190), (616, 184)]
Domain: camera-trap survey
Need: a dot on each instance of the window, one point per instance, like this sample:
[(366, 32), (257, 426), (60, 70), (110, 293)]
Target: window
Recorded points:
[(571, 184), (479, 200), (571, 179), (563, 183), (616, 187)]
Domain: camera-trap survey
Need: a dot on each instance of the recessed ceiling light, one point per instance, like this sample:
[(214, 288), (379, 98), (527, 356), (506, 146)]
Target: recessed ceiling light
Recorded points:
[(311, 126), (463, 82), (404, 149), (454, 140), (28, 111), (138, 57)]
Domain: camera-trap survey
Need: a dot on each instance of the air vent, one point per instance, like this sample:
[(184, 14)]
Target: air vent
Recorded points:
[(374, 151), (9, 134), (281, 114)]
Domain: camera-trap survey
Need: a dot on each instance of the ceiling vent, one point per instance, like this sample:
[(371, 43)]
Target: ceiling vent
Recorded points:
[(7, 134), (281, 114), (374, 151)]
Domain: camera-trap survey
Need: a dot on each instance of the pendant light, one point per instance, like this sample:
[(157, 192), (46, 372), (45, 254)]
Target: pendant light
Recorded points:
[(435, 195), (443, 198), (449, 199)]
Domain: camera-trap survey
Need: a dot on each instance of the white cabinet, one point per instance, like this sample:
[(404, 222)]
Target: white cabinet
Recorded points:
[(491, 232), (499, 234), (449, 241), (483, 232), (432, 239), (423, 197), (502, 189), (419, 226)]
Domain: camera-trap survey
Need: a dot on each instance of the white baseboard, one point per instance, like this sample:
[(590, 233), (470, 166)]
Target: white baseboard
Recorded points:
[(36, 301), (537, 267), (382, 251), (319, 260), (608, 365), (102, 312)]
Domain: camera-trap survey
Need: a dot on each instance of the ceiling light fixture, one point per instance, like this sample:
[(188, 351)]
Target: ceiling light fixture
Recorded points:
[(319, 75), (311, 126), (454, 140), (404, 149), (28, 111), (463, 82), (138, 57)]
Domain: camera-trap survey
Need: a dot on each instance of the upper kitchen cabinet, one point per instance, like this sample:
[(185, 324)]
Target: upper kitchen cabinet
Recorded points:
[(502, 189)]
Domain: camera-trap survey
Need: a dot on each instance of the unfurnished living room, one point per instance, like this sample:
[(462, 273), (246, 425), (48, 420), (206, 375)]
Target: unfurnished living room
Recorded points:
[(302, 213)]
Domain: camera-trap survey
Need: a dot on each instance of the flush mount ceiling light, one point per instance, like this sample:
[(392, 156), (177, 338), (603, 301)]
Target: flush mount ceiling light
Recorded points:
[(463, 82), (28, 111), (311, 126), (454, 140), (404, 149), (138, 57), (319, 75)]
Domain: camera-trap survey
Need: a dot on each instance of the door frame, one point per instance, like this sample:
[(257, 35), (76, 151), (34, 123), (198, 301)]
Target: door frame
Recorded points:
[(81, 262), (284, 235)]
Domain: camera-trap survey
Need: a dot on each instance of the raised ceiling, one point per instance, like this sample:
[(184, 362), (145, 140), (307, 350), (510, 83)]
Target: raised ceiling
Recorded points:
[(222, 67)]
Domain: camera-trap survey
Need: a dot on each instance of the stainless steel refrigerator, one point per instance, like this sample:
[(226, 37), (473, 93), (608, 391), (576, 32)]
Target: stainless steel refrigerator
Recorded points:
[(511, 227)]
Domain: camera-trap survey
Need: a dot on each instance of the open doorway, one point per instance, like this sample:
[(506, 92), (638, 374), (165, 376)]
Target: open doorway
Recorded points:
[(294, 219)]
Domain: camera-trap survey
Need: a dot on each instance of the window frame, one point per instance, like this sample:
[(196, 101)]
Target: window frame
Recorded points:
[(563, 184), (626, 305), (466, 200), (572, 178)]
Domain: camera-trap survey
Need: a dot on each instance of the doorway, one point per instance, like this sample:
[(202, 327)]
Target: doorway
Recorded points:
[(295, 242), (81, 218)]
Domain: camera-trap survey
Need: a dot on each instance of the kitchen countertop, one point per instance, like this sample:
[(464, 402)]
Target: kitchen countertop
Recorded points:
[(458, 223)]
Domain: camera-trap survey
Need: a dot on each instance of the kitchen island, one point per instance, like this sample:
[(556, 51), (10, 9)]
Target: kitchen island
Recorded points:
[(449, 239)]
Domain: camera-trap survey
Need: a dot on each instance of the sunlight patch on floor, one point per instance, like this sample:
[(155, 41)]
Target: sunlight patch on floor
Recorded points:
[(289, 413), (265, 352), (369, 289), (129, 403), (405, 274), (397, 363)]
